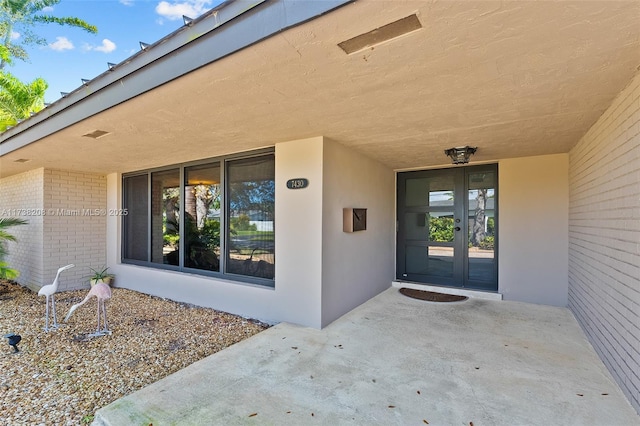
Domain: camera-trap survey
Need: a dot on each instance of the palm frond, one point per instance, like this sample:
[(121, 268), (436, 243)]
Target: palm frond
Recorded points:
[(72, 22), (18, 100), (7, 222)]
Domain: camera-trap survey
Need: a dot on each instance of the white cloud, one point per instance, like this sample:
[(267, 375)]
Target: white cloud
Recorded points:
[(174, 11), (15, 35), (47, 9), (61, 44), (107, 46), (127, 2)]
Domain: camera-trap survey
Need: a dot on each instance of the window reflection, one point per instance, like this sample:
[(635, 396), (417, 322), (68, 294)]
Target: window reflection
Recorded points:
[(430, 191), (165, 216), (441, 227), (481, 199), (202, 217), (250, 249)]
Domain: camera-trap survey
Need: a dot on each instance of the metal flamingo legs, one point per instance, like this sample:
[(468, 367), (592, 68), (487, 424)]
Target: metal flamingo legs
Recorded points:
[(55, 325), (102, 292), (101, 311), (48, 291)]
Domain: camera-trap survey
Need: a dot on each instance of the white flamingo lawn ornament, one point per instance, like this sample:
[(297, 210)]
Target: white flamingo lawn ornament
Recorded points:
[(102, 292), (49, 291)]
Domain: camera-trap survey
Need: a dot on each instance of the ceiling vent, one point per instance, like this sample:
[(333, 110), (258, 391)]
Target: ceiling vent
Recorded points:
[(96, 134), (381, 35)]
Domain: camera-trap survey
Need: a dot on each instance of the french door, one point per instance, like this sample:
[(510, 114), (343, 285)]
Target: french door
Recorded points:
[(448, 227)]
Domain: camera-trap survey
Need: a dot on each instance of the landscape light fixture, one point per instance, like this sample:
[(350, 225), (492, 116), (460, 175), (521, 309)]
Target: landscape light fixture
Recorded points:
[(14, 339), (460, 155)]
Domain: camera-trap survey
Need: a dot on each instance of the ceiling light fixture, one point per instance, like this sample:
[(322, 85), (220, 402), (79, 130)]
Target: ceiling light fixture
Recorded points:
[(460, 155)]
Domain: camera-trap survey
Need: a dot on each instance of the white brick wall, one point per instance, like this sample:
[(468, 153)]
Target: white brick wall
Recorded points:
[(75, 232), (604, 238), (71, 230), (19, 193)]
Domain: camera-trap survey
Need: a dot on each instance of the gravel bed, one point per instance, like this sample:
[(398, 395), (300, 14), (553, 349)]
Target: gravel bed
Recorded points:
[(64, 376)]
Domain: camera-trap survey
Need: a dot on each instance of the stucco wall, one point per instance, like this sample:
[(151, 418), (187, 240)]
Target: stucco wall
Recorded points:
[(21, 196), (604, 238), (321, 272), (533, 229), (299, 231), (298, 240), (355, 266)]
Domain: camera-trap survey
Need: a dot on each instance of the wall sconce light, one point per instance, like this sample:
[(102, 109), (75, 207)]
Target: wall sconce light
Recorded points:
[(460, 155)]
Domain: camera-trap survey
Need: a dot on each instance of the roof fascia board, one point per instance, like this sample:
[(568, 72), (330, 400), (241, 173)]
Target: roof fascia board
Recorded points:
[(235, 24)]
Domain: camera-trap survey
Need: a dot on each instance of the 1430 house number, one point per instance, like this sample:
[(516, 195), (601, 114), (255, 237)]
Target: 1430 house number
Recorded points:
[(298, 183)]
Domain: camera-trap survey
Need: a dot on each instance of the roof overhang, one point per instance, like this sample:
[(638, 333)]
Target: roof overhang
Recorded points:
[(513, 78)]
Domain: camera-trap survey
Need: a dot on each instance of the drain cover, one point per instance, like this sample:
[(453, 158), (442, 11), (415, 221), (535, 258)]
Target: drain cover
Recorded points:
[(431, 296)]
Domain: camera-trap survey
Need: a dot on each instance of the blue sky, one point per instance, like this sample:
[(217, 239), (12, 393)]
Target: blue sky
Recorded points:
[(73, 54)]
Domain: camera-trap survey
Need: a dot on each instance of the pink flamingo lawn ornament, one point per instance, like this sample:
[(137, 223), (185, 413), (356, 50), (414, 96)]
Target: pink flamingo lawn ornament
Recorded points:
[(102, 292), (49, 291)]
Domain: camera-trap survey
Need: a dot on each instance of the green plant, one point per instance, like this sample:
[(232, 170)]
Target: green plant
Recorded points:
[(100, 274), (8, 273), (171, 240), (441, 229), (5, 271), (242, 223), (8, 222), (87, 419), (488, 243)]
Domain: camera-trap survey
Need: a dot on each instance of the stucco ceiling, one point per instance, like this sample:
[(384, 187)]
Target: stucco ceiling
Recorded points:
[(512, 78)]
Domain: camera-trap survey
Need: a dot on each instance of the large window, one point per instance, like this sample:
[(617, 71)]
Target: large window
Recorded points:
[(213, 218), (250, 211)]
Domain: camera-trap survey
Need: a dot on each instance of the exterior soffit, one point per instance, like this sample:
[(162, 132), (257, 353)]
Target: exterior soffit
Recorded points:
[(515, 79)]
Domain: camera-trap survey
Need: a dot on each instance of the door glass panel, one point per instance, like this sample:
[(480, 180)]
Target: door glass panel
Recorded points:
[(481, 198), (429, 191), (165, 216), (434, 261), (415, 226), (202, 217), (437, 227), (441, 227), (441, 261)]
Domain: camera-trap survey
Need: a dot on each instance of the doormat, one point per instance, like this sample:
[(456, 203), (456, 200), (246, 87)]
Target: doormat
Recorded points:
[(431, 296)]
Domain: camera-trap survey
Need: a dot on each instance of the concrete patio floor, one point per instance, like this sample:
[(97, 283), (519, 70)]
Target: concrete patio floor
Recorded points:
[(395, 361)]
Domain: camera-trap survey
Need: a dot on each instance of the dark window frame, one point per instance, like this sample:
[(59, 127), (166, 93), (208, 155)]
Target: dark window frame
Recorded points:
[(224, 219)]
